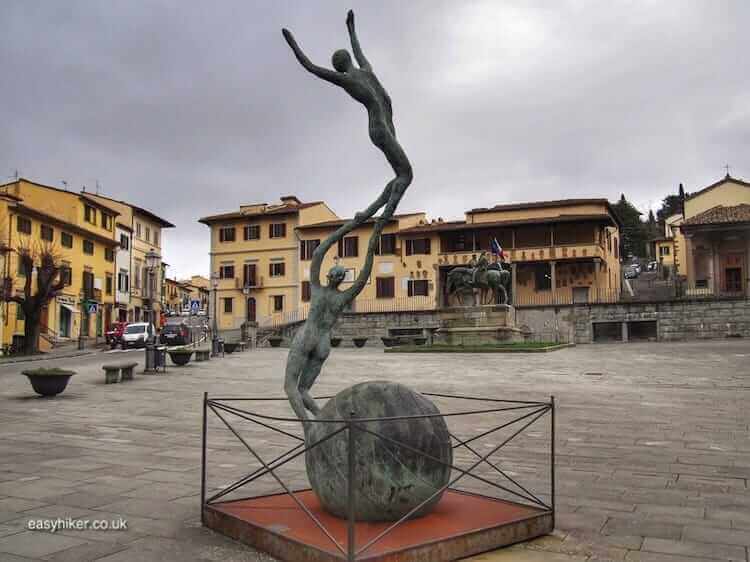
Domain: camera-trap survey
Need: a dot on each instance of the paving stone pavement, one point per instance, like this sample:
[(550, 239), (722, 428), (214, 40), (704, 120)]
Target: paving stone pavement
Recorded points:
[(653, 453)]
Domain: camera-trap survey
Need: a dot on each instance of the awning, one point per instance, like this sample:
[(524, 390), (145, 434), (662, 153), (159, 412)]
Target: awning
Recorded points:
[(71, 308)]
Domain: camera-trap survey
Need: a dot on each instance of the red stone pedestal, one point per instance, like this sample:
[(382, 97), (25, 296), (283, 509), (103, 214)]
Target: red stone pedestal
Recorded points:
[(461, 525)]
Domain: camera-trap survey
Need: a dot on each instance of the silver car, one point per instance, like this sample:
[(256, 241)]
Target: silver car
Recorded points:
[(138, 335)]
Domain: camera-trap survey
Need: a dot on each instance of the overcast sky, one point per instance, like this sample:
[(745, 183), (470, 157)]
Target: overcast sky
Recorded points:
[(192, 108)]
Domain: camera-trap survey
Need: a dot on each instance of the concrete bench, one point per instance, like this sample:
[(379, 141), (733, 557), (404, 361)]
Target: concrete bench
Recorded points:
[(203, 354), (242, 346), (118, 371)]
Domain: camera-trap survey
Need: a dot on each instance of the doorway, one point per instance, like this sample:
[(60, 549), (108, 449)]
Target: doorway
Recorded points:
[(733, 279), (66, 318), (251, 311)]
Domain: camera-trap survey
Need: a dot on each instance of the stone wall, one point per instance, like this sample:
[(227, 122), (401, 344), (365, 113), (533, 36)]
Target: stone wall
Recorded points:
[(675, 320), (373, 325)]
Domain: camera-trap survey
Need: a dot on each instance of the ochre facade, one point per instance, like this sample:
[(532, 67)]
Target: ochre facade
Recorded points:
[(558, 251)]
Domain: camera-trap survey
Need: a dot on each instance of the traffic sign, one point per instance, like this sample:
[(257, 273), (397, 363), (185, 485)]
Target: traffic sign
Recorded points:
[(195, 306), (92, 306)]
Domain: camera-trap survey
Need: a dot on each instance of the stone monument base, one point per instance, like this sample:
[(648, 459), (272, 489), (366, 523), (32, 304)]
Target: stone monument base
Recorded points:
[(478, 325), (462, 524)]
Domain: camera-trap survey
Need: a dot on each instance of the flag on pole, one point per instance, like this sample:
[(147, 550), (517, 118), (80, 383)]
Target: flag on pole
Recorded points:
[(496, 248)]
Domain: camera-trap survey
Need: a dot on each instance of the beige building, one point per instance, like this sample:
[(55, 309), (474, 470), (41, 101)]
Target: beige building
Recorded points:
[(716, 232), (560, 252), (146, 274)]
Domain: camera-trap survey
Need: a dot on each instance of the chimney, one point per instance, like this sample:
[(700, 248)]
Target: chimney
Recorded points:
[(290, 200)]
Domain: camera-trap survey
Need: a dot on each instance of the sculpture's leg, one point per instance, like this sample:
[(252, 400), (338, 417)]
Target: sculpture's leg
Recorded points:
[(294, 368)]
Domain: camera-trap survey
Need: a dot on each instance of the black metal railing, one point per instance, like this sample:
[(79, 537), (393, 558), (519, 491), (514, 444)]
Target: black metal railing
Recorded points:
[(524, 414)]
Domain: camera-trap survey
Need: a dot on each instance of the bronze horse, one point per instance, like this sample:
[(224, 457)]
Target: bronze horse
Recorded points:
[(497, 281)]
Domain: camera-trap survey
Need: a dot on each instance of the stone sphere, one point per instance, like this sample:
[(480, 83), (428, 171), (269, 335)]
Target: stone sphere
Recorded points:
[(390, 480)]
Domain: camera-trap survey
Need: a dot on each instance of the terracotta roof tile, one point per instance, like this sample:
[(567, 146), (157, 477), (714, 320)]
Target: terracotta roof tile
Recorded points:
[(721, 215)]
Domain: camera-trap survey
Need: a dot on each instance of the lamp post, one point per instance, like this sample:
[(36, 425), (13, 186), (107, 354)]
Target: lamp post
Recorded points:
[(152, 262), (214, 326)]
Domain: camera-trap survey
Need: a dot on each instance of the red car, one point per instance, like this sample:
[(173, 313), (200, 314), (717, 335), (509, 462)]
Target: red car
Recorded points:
[(114, 334)]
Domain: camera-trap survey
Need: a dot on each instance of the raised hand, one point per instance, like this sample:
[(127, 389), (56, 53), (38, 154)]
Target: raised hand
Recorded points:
[(350, 20)]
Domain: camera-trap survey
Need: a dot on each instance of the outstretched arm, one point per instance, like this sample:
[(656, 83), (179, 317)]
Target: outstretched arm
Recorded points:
[(359, 283), (322, 250), (358, 54), (324, 73)]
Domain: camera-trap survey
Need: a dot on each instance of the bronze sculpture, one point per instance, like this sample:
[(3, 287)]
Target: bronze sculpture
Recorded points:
[(311, 344), (391, 482)]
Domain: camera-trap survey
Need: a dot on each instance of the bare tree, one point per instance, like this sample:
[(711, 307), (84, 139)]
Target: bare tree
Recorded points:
[(32, 300)]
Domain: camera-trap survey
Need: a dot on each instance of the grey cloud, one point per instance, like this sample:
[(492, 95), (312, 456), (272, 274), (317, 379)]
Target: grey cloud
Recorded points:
[(192, 108)]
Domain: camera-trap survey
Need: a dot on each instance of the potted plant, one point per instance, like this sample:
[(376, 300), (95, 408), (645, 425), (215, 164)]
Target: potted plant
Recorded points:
[(335, 342), (48, 382), (275, 341), (359, 342), (180, 355), (389, 342), (230, 347)]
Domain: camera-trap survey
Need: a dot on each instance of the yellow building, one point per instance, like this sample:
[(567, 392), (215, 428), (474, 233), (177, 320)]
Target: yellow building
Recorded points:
[(143, 229), (81, 230), (254, 259), (560, 252), (716, 234), (198, 287)]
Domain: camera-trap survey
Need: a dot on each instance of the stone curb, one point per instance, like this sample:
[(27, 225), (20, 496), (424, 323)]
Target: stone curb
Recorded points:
[(43, 357), (471, 349)]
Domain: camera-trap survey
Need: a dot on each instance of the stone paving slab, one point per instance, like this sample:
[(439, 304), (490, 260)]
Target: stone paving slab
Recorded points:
[(653, 453)]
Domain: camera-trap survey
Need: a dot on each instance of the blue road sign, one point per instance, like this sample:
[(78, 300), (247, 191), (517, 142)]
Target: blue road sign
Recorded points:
[(195, 306)]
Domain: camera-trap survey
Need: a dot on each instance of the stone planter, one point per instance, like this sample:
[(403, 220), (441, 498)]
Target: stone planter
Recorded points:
[(390, 342), (359, 342), (420, 341), (275, 341), (180, 357), (335, 342), (48, 382), (230, 347)]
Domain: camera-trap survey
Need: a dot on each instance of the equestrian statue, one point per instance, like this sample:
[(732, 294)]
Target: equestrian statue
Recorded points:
[(488, 283)]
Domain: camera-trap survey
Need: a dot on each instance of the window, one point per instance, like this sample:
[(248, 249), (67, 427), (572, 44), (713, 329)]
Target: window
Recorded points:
[(88, 284), (138, 229), (419, 287), (252, 232), (109, 254), (277, 230), (124, 242), (156, 237), (21, 270), (385, 287), (276, 269), (66, 239), (306, 292), (418, 246), (47, 233), (23, 225), (106, 221), (228, 301), (20, 315), (617, 248), (137, 275), (387, 244), (542, 277), (249, 277), (226, 271), (148, 234), (89, 214), (663, 250), (123, 281), (66, 275), (108, 284), (278, 303), (88, 247), (349, 247), (307, 247), (226, 234)]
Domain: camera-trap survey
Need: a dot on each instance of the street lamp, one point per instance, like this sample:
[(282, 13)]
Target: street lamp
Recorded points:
[(152, 262), (214, 326)]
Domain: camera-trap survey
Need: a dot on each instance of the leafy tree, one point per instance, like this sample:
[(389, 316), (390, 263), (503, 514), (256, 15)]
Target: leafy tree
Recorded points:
[(633, 233), (33, 299), (672, 204)]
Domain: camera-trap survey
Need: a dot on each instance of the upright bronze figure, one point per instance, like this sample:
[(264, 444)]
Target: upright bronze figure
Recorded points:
[(391, 481)]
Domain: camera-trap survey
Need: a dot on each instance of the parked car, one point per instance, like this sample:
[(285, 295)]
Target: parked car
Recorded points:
[(113, 336), (176, 334), (652, 265), (631, 273), (138, 335)]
